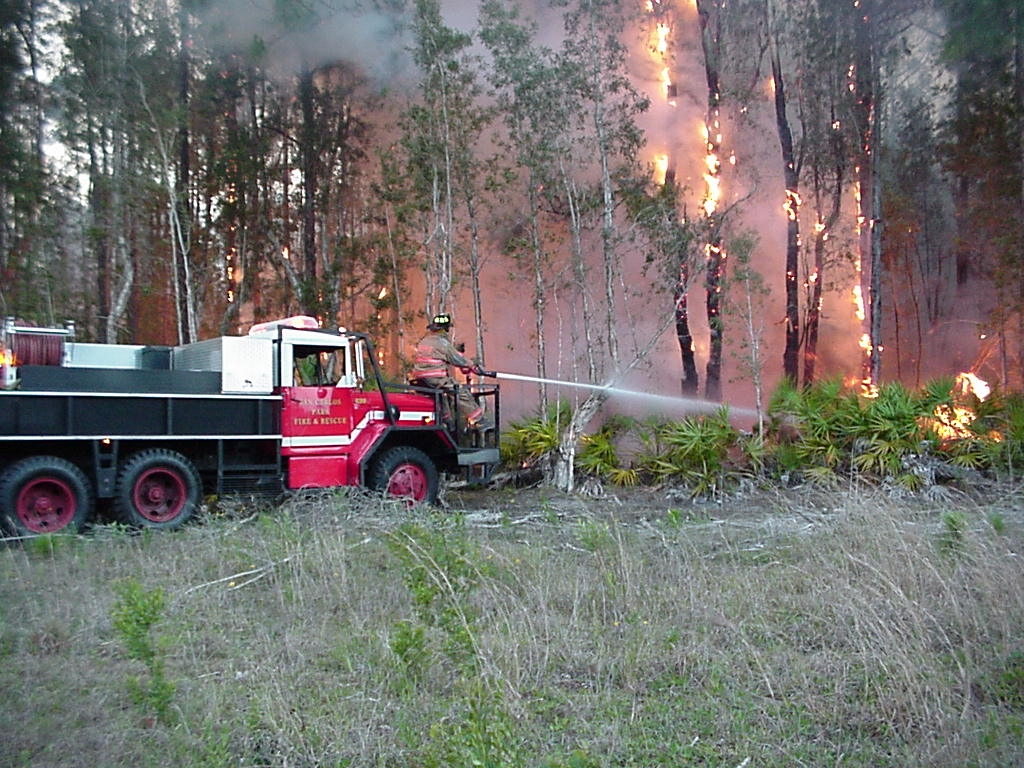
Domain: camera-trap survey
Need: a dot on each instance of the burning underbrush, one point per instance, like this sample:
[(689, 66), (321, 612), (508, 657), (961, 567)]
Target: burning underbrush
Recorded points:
[(949, 432)]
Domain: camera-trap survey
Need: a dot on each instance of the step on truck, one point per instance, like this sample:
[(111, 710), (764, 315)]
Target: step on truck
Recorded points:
[(143, 434)]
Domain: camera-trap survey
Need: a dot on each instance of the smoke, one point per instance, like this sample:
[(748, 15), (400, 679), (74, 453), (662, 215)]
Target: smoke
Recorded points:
[(289, 36)]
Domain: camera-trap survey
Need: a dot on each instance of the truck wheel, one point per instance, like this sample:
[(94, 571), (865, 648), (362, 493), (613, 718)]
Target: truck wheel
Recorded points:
[(406, 472), (157, 488), (45, 494)]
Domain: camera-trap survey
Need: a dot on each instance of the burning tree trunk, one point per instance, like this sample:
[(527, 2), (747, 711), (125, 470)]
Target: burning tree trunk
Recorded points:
[(866, 114), (791, 178), (682, 322), (715, 274), (708, 12)]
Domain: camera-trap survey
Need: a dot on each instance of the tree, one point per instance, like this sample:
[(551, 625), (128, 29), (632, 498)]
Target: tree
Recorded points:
[(525, 78), (594, 58), (441, 135), (101, 119), (709, 14), (985, 152)]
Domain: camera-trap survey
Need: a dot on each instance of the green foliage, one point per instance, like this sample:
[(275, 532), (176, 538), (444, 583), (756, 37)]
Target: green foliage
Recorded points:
[(483, 734), (409, 643), (440, 570), (808, 427), (48, 544), (598, 455), (594, 536), (694, 451), (537, 437), (1008, 682), (953, 537), (135, 614), (885, 430)]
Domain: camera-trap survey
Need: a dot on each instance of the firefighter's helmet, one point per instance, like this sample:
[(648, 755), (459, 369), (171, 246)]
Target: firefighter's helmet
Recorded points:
[(440, 322)]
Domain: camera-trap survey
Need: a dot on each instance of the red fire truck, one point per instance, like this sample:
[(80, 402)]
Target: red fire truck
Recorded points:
[(144, 433)]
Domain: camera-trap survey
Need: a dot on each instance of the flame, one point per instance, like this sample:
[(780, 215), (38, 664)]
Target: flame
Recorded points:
[(661, 32), (713, 192), (792, 204), (660, 168), (6, 357), (858, 303), (953, 422), (968, 383), (668, 87)]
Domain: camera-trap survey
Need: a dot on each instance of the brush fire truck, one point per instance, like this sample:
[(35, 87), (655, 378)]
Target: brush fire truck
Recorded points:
[(144, 433)]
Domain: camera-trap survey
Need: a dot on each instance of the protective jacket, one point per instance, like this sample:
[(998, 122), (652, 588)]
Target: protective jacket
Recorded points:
[(434, 353)]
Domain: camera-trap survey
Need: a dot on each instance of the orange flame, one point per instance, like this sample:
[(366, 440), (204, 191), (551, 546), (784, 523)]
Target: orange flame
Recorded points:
[(661, 32), (660, 168), (953, 422), (792, 204)]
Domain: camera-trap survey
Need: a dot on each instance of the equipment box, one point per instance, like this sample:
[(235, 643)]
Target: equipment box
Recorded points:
[(246, 365)]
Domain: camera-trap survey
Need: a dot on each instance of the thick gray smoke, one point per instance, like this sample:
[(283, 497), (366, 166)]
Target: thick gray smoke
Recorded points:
[(291, 34)]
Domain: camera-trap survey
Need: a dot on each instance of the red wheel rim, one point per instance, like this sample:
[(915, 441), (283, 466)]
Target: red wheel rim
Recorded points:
[(159, 495), (408, 481), (46, 504)]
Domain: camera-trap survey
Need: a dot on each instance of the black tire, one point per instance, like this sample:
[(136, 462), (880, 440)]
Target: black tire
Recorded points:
[(405, 472), (157, 488), (45, 494)]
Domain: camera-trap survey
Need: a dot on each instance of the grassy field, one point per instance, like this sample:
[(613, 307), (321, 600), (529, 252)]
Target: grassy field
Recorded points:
[(345, 631)]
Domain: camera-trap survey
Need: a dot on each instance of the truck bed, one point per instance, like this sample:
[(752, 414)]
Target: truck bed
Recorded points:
[(46, 406)]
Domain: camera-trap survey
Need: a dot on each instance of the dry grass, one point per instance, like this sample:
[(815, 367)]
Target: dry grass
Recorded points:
[(344, 631)]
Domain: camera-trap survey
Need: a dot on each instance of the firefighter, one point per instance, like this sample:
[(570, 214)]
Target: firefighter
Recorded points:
[(434, 354)]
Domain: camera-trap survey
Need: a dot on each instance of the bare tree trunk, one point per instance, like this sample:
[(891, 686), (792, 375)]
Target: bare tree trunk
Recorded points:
[(182, 218), (310, 183), (564, 461), (579, 266), (876, 240), (822, 231), (539, 296)]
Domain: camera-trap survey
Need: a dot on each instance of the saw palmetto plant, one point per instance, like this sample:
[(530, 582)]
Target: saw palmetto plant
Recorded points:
[(599, 456), (807, 428), (694, 450), (885, 430), (528, 440)]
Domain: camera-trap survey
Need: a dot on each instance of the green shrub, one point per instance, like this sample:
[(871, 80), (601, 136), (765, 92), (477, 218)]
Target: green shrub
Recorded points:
[(693, 450), (135, 614)]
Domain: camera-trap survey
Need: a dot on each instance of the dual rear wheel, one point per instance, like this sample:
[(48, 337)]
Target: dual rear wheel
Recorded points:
[(156, 488)]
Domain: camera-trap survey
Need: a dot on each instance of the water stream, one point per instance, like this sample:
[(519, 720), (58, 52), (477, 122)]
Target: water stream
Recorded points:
[(666, 402)]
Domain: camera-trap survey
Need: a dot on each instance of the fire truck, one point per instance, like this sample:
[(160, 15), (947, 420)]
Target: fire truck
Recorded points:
[(144, 434)]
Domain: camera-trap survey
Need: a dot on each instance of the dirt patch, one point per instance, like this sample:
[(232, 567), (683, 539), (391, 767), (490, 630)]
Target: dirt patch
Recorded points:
[(748, 514)]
